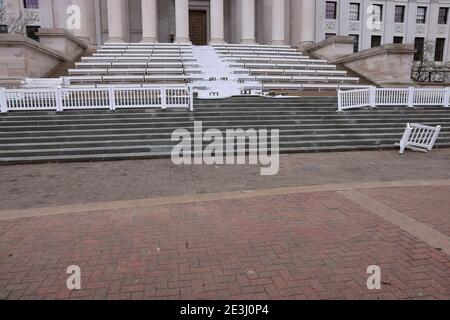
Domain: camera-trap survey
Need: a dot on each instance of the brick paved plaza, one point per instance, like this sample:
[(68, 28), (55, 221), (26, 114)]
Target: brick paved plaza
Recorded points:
[(149, 229)]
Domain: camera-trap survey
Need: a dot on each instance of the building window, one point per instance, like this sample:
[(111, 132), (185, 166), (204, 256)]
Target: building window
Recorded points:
[(331, 10), (439, 49), (419, 46), (443, 14), (375, 41), (354, 11), (31, 32), (378, 12), (399, 14), (421, 15), (31, 4), (330, 35), (3, 28), (355, 42), (398, 40)]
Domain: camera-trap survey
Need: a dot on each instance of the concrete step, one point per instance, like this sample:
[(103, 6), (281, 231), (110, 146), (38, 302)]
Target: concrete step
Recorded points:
[(102, 136), (305, 125), (166, 146), (264, 123), (224, 116), (45, 132), (23, 159)]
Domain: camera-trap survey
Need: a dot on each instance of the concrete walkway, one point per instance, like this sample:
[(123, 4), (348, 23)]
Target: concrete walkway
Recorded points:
[(149, 229)]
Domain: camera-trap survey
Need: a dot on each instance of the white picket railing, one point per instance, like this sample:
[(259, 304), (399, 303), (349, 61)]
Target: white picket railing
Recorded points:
[(410, 97), (419, 137), (112, 98)]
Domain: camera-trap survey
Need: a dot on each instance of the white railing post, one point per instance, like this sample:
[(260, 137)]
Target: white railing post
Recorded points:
[(3, 102), (445, 103), (405, 138), (163, 98), (435, 136), (411, 97), (58, 97), (372, 97), (191, 98), (339, 101), (112, 98)]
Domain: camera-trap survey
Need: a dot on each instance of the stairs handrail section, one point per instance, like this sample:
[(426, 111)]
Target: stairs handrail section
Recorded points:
[(409, 97), (105, 97)]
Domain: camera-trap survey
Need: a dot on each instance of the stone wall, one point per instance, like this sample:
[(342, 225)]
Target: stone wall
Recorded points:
[(63, 42), (22, 57), (387, 65), (332, 49)]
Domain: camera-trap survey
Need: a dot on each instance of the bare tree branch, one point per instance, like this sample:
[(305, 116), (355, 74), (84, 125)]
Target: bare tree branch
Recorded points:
[(17, 22), (426, 69)]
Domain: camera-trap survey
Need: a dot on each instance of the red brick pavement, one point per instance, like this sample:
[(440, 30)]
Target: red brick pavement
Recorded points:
[(425, 204), (73, 183), (296, 246)]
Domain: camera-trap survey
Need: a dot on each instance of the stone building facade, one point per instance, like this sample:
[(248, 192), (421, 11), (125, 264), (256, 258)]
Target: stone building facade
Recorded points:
[(294, 22)]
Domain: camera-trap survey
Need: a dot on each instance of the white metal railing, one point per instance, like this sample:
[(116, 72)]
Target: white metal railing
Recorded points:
[(410, 97), (112, 98), (419, 137)]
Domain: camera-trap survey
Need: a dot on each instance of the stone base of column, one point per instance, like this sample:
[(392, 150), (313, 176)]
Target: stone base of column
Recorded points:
[(149, 40), (277, 42), (182, 40), (216, 41), (115, 40), (303, 45), (248, 41)]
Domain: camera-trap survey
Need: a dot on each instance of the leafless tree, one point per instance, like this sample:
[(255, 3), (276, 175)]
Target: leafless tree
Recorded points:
[(425, 69), (17, 20)]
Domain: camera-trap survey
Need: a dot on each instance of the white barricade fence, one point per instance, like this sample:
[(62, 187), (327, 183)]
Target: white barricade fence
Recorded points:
[(409, 97), (110, 97), (419, 137)]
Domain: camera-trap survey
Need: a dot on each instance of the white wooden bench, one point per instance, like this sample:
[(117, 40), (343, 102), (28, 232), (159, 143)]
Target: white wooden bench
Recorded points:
[(123, 78), (93, 65), (331, 73), (88, 71), (343, 79), (419, 137), (37, 83), (129, 65), (83, 79), (127, 71), (165, 78), (165, 70), (301, 86)]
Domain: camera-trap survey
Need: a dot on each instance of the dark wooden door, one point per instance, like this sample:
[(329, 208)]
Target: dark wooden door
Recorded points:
[(197, 27)]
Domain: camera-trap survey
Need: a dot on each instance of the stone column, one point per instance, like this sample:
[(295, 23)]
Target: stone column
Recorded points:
[(248, 21), (217, 26), (182, 21), (86, 28), (307, 26), (115, 21), (60, 13), (278, 22), (149, 21)]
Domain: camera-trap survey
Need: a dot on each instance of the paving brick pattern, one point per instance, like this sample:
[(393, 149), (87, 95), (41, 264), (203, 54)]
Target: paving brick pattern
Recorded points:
[(298, 246), (425, 204), (304, 245), (72, 183)]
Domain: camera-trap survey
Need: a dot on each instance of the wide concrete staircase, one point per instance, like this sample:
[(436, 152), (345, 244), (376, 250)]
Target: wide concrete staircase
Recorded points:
[(306, 125)]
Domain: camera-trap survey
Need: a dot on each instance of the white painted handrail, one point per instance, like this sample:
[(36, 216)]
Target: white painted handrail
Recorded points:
[(409, 97), (419, 137), (105, 97)]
